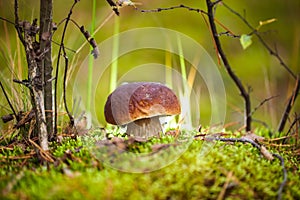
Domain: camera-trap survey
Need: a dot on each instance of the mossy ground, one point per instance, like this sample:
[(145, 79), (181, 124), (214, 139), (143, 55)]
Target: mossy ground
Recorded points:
[(206, 170)]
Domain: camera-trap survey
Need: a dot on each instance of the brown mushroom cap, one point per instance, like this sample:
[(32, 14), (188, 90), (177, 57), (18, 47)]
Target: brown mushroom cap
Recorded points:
[(140, 100)]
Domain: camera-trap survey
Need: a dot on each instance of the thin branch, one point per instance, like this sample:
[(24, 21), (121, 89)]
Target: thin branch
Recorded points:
[(64, 88), (57, 66), (6, 20), (87, 36), (297, 118), (254, 31), (175, 7), (92, 42), (27, 117), (285, 175), (216, 2), (211, 33), (67, 48), (54, 42), (243, 140), (202, 12), (17, 21), (95, 53), (282, 63), (289, 106), (228, 31), (262, 103), (234, 77), (43, 153), (9, 103), (114, 6)]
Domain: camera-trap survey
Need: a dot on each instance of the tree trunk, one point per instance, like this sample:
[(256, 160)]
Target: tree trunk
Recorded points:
[(46, 63), (36, 82)]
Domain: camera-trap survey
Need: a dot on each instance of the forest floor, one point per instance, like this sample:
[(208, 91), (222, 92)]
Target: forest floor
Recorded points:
[(199, 168)]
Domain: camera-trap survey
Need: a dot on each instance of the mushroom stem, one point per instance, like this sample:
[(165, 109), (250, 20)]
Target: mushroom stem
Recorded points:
[(145, 128)]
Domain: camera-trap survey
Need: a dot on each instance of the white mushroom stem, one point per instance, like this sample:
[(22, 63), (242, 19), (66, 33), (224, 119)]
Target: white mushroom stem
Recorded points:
[(145, 128)]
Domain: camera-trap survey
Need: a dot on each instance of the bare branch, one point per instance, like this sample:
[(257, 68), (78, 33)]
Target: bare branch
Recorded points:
[(114, 6), (64, 88), (6, 20), (295, 121), (9, 103), (285, 175), (282, 63), (262, 103), (233, 76), (271, 51), (289, 106), (175, 7), (243, 140), (95, 53), (67, 48), (17, 21), (87, 36), (57, 66), (92, 42)]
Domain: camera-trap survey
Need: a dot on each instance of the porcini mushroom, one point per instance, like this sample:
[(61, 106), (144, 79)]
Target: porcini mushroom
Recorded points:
[(139, 106)]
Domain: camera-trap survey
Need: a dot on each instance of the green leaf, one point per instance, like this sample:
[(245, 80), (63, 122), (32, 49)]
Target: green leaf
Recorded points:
[(245, 41)]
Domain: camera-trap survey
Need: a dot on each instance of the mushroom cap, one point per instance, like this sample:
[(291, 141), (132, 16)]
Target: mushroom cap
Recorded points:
[(139, 100)]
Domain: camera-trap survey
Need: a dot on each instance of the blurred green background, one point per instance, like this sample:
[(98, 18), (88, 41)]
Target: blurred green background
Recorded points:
[(254, 66)]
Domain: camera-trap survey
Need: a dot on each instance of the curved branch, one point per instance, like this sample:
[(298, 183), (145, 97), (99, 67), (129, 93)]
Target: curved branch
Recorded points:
[(57, 66), (271, 51), (289, 106), (233, 76), (71, 118)]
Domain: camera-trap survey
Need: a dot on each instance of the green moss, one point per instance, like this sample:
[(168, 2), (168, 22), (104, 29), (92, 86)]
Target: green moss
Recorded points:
[(203, 171)]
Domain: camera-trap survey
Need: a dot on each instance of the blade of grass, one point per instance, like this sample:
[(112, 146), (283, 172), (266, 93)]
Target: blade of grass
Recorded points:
[(115, 50), (13, 63), (181, 59), (90, 66), (172, 123), (168, 69), (184, 95), (191, 77)]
